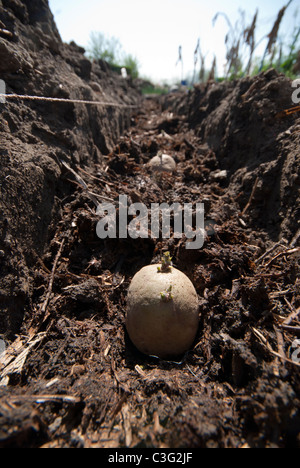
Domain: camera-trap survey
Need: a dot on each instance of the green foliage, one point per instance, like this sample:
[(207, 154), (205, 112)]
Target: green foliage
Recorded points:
[(131, 65), (282, 62), (280, 54), (109, 49), (104, 48), (288, 62), (149, 88)]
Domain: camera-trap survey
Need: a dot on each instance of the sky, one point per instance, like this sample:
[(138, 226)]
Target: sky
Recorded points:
[(153, 30)]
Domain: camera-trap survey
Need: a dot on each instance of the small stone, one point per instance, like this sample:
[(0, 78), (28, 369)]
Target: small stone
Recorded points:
[(220, 175)]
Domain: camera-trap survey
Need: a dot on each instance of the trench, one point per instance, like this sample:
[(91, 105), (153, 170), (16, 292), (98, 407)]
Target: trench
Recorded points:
[(69, 374)]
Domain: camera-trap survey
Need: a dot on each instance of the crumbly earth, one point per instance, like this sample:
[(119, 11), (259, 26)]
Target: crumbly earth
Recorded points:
[(70, 376)]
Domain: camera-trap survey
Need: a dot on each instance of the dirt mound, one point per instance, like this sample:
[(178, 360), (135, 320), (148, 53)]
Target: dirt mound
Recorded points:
[(70, 376), (257, 146), (36, 136)]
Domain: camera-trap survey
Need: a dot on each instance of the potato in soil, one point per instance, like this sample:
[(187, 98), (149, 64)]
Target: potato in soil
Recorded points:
[(162, 312)]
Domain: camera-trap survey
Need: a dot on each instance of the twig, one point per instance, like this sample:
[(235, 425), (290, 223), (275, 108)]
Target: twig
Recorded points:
[(280, 347), (81, 182), (98, 179), (251, 197), (5, 32), (50, 286), (280, 293), (45, 398), (294, 314), (278, 244), (12, 363), (140, 371), (280, 342), (290, 328), (102, 181), (267, 345), (295, 238), (102, 197), (290, 111), (283, 254), (127, 425)]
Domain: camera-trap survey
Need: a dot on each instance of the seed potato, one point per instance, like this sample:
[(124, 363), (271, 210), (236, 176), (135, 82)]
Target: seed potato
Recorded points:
[(162, 312)]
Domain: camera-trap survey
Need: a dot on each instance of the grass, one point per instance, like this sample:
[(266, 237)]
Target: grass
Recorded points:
[(241, 44)]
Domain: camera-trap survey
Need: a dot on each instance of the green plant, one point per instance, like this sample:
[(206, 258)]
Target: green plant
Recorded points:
[(283, 62), (278, 54), (109, 49), (132, 66), (233, 44), (104, 48), (273, 36), (288, 61), (241, 43), (149, 88)]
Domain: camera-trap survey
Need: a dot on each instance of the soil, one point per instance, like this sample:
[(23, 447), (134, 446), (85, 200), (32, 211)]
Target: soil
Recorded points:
[(70, 377)]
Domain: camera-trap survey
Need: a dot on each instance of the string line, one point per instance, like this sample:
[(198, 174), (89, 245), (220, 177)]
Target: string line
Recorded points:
[(62, 100)]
